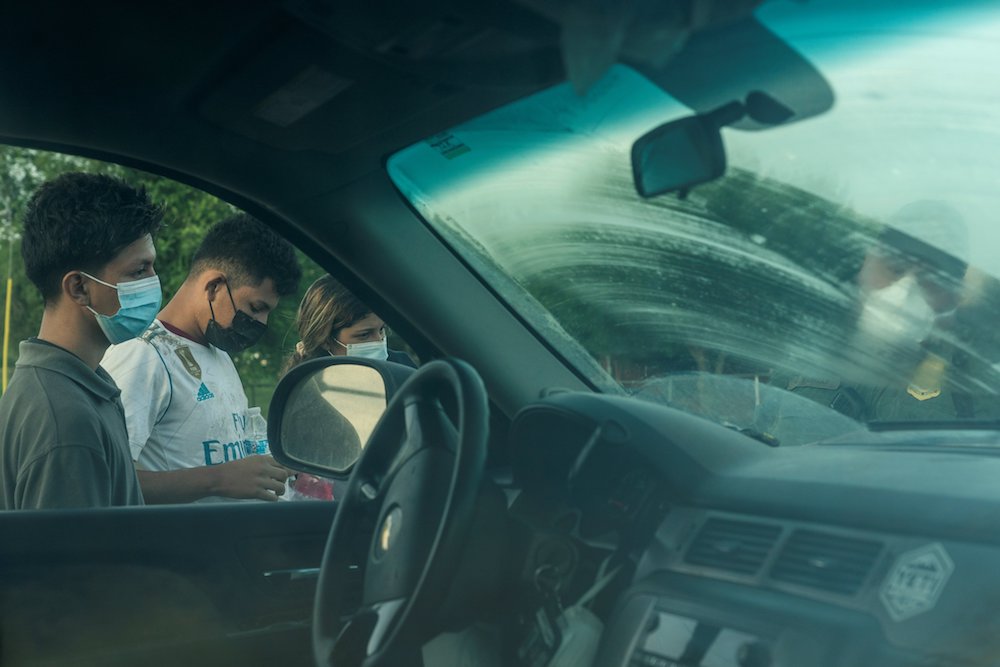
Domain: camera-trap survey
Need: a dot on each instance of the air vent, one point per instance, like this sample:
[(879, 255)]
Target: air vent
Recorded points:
[(826, 562), (736, 546)]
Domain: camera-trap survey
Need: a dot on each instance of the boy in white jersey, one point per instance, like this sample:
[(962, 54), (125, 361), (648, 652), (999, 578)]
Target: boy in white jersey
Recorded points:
[(184, 402)]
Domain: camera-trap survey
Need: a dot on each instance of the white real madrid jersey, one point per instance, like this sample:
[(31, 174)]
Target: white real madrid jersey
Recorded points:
[(184, 402)]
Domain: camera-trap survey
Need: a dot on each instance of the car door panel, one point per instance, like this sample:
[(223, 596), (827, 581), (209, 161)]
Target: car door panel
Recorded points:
[(198, 584)]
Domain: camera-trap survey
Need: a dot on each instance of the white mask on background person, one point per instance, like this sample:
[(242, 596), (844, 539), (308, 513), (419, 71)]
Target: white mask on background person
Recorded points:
[(898, 314), (376, 349)]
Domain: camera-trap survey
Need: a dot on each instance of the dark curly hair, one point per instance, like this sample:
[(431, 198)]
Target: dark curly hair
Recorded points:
[(248, 252), (81, 221)]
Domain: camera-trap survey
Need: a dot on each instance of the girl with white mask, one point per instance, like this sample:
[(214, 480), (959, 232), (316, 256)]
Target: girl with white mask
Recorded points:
[(332, 321)]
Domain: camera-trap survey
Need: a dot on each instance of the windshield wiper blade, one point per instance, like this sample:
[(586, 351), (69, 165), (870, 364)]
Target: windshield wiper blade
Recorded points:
[(934, 425)]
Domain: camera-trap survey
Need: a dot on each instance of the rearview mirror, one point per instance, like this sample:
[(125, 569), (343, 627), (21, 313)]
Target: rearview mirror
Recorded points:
[(324, 411), (677, 156), (686, 152)]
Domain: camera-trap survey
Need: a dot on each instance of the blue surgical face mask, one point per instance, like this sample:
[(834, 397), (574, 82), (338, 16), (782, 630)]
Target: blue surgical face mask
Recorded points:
[(375, 349), (140, 302)]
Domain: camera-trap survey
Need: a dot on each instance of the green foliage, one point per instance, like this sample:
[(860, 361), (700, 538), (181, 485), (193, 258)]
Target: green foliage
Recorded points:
[(188, 213)]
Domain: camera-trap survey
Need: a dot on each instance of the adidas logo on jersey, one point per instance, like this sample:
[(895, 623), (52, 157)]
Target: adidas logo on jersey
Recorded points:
[(204, 393)]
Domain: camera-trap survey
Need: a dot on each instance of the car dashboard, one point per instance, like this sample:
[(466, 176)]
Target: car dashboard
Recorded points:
[(736, 553)]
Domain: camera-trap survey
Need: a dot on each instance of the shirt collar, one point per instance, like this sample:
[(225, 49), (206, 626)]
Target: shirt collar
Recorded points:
[(178, 332), (43, 354)]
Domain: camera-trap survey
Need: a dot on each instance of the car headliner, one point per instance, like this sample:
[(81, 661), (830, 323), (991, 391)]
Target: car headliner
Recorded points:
[(264, 99), (177, 85)]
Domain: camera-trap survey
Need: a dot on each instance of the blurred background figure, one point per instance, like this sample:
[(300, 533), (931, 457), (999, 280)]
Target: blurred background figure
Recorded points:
[(912, 279), (920, 307), (332, 321)]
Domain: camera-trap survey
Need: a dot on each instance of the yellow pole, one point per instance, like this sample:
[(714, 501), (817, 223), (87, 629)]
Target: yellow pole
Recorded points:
[(6, 331), (6, 310)]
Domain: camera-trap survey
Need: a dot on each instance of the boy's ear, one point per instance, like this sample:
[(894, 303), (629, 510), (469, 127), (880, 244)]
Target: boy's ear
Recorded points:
[(213, 281), (74, 287)]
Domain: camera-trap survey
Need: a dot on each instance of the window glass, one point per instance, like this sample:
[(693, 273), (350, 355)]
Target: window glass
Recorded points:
[(188, 215), (854, 250)]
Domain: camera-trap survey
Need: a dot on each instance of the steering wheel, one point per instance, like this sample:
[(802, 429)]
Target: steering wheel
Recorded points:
[(403, 521)]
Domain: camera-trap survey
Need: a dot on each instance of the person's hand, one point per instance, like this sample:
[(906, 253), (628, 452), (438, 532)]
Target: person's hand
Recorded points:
[(257, 476)]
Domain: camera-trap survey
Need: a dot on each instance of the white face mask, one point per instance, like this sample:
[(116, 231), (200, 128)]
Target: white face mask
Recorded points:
[(376, 349), (897, 314)]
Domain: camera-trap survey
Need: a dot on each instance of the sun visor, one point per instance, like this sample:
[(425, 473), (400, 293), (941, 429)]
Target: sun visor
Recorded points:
[(726, 63), (594, 35)]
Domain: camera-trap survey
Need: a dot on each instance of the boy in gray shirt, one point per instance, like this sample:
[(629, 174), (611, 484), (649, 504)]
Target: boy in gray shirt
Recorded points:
[(88, 248)]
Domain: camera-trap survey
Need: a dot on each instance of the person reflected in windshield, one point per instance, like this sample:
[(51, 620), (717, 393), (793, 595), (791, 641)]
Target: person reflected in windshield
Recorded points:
[(902, 361), (912, 279)]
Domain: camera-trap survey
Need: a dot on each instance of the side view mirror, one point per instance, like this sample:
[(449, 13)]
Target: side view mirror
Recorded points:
[(323, 412)]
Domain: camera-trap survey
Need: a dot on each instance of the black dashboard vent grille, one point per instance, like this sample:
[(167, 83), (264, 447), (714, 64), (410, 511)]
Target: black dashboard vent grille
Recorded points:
[(736, 546), (826, 562)]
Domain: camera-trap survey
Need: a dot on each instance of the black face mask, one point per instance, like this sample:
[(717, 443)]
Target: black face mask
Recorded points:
[(238, 336)]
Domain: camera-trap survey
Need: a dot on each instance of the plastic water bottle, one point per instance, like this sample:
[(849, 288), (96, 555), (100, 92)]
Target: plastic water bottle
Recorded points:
[(256, 432)]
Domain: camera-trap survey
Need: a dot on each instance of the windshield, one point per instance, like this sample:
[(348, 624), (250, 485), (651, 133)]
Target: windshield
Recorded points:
[(849, 257)]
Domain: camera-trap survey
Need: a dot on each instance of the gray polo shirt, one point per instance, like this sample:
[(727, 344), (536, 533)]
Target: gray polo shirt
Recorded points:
[(63, 441)]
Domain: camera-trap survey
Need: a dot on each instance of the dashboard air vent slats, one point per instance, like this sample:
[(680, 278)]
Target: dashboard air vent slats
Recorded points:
[(735, 546), (826, 562)]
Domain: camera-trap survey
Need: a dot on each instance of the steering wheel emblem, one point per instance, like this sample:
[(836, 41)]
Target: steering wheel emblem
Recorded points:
[(390, 528)]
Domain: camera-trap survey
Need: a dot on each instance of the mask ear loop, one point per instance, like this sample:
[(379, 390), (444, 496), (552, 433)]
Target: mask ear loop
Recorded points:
[(333, 336), (230, 293), (98, 280), (212, 310)]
